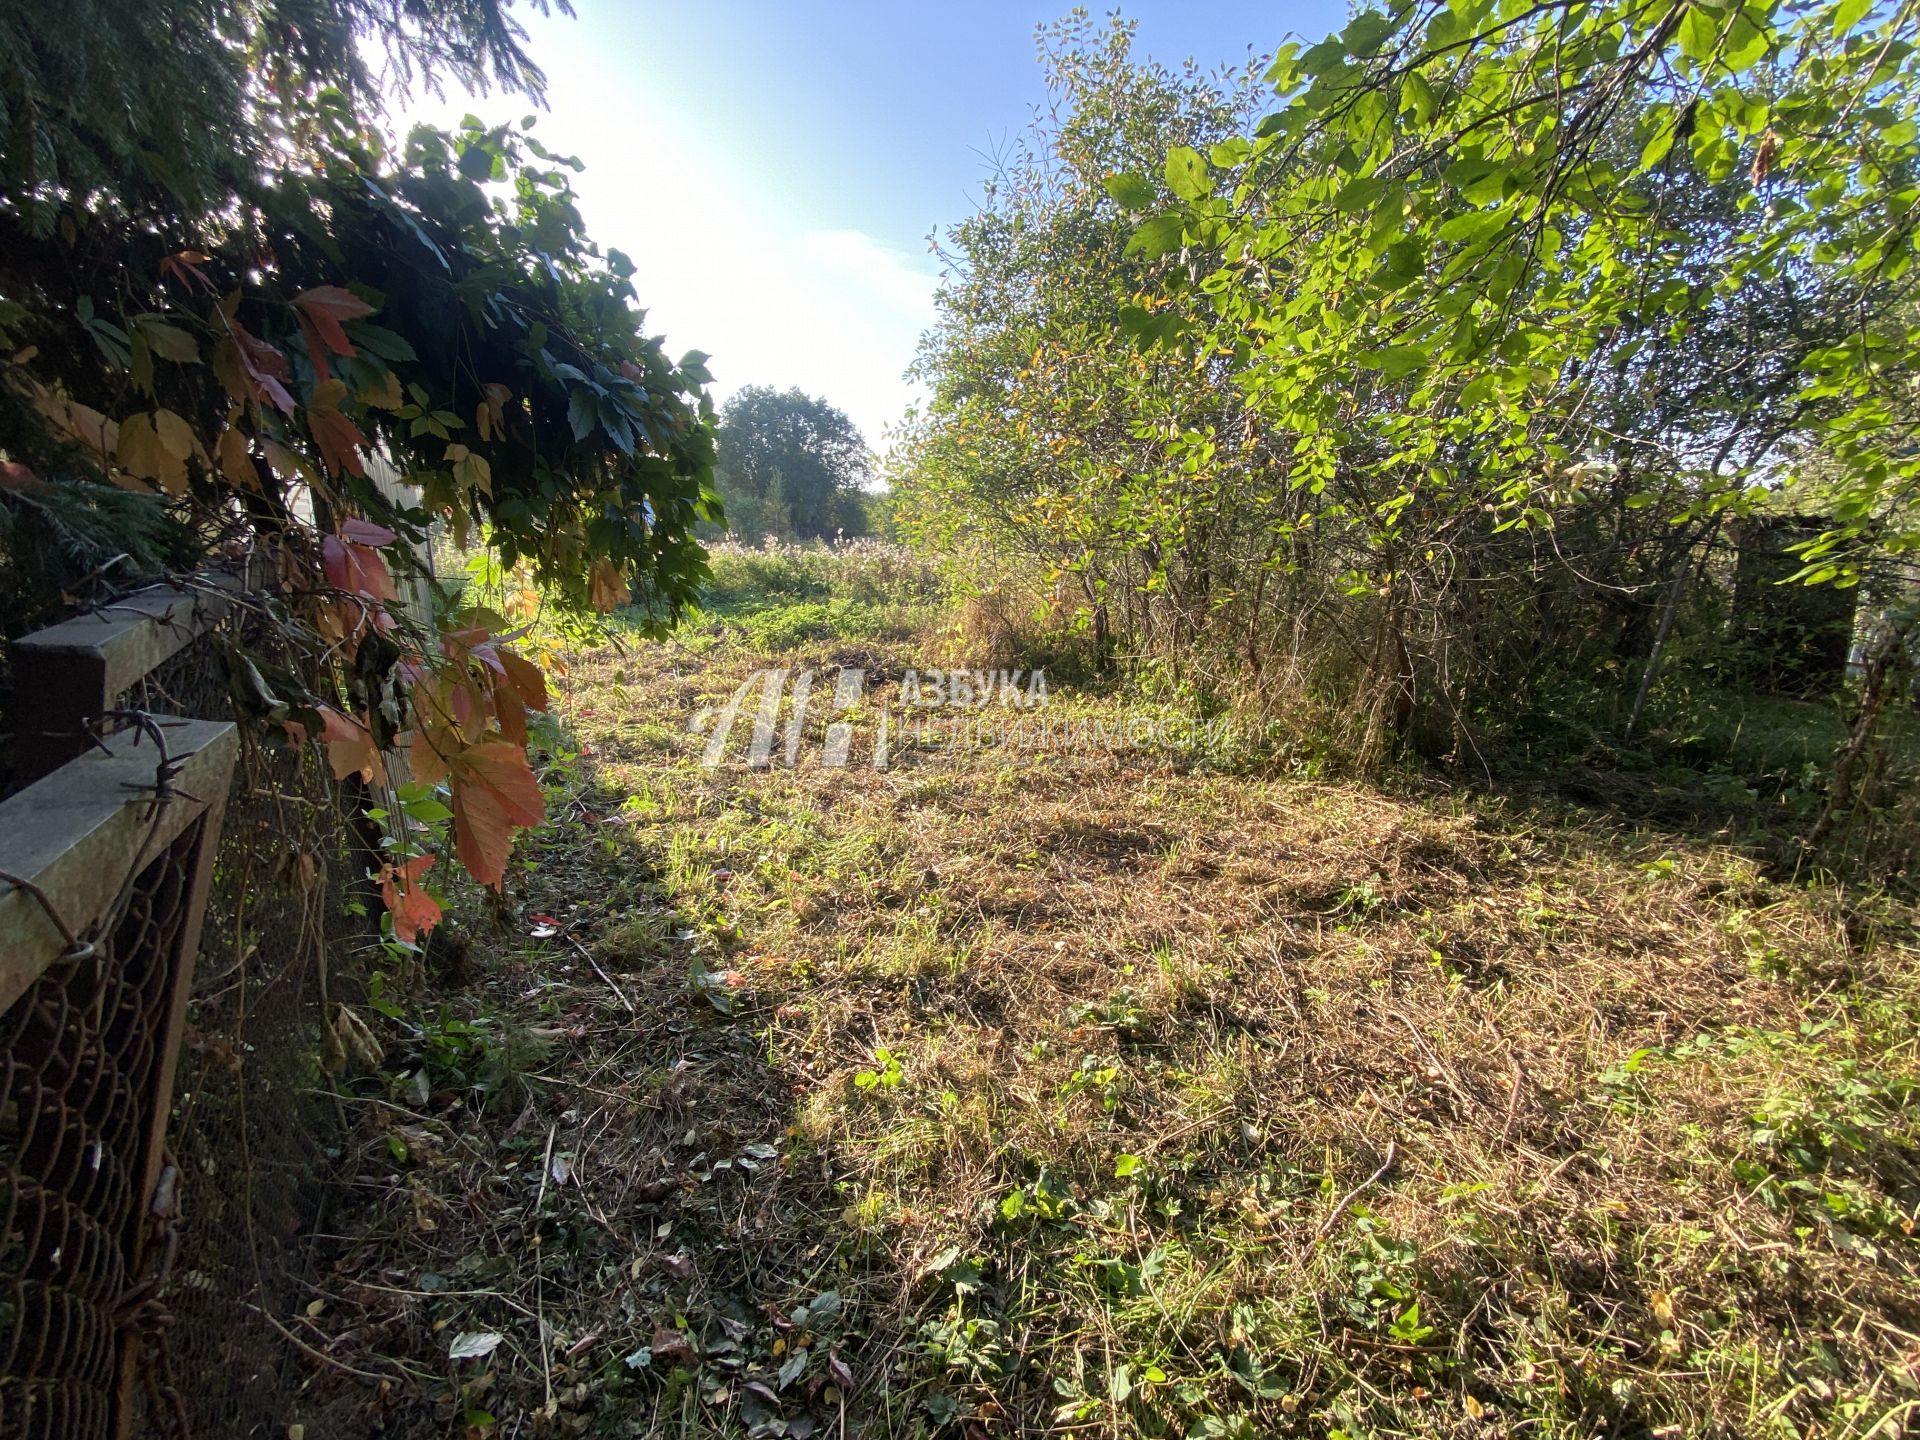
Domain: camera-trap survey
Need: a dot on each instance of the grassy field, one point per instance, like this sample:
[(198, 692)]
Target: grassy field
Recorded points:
[(1125, 1081)]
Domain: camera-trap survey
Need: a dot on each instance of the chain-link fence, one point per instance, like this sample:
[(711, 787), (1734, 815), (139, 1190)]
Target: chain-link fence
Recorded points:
[(82, 1057), (173, 1307)]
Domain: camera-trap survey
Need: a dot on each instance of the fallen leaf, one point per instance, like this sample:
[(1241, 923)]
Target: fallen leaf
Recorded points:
[(672, 1347), (474, 1344)]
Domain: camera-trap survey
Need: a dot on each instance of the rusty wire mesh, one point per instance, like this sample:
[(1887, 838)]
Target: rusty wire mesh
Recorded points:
[(113, 1322), (80, 1060), (255, 1121)]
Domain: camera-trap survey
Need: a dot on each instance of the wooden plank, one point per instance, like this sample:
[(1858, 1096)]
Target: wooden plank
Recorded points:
[(70, 673), (75, 834)]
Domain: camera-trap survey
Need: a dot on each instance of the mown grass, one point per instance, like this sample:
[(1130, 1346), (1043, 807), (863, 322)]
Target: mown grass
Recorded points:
[(1142, 1090)]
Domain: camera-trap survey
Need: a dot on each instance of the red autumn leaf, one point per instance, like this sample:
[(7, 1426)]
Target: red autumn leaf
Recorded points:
[(494, 793), (511, 712), (316, 352), (351, 748), (365, 532), (266, 368), (528, 679), (359, 569), (185, 267), (325, 306), (414, 911)]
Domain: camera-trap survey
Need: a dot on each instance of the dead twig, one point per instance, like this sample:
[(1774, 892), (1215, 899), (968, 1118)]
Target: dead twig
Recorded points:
[(1333, 1219), (587, 955)]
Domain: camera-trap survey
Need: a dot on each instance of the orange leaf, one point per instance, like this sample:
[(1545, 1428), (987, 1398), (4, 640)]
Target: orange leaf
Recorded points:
[(528, 678), (339, 439), (414, 911), (494, 793), (185, 267), (326, 306), (606, 588), (351, 748)]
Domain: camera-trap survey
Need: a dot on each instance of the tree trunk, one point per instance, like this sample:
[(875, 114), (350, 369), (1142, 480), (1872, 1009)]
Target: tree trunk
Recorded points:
[(1873, 694)]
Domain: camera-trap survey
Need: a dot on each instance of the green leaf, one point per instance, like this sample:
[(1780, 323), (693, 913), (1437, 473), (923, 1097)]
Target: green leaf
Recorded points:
[(1366, 32), (1126, 1165), (583, 411), (1416, 98), (1395, 360), (1404, 262), (476, 162), (1657, 147), (1699, 34), (1472, 225), (1130, 192), (1747, 43), (1161, 235), (1187, 174), (169, 342), (1849, 13), (1148, 328), (1477, 179), (383, 342), (1329, 54), (1229, 153), (1357, 195)]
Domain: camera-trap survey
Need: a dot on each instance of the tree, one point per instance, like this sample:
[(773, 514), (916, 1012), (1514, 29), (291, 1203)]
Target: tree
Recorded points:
[(220, 332), (1043, 437), (790, 465), (1424, 395), (1482, 256)]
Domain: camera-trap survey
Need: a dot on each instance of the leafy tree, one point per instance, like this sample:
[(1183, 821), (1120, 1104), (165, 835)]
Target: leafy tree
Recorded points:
[(791, 465), (235, 337), (1045, 426), (1426, 394), (1534, 235)]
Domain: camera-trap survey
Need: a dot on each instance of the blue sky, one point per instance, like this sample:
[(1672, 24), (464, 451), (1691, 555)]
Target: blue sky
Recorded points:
[(774, 170)]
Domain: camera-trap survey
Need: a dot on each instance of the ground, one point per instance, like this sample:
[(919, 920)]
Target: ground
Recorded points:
[(1130, 1087)]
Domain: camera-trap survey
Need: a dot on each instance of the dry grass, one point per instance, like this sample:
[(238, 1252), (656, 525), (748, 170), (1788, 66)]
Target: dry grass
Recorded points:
[(1119, 1095)]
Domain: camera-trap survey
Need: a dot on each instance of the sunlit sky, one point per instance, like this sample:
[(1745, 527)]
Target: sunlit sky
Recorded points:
[(774, 169)]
